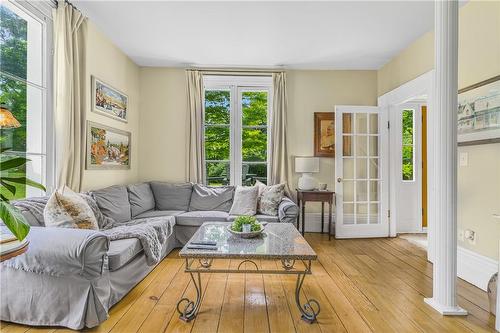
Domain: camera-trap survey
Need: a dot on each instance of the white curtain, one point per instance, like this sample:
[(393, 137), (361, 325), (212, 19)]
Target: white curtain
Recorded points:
[(280, 168), (70, 34), (195, 149)]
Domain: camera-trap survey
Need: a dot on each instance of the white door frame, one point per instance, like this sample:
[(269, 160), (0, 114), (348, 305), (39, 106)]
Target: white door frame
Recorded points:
[(422, 85)]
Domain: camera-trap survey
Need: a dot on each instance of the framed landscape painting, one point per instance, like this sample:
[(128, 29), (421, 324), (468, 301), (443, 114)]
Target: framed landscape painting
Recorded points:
[(107, 148), (109, 101), (479, 113)]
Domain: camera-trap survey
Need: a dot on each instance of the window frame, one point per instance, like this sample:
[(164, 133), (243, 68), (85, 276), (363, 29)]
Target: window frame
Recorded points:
[(237, 85), (41, 11)]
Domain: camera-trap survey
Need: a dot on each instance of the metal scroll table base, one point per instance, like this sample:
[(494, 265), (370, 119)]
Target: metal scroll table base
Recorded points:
[(188, 309)]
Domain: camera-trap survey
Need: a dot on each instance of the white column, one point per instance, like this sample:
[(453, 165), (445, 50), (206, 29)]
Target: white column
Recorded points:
[(444, 297)]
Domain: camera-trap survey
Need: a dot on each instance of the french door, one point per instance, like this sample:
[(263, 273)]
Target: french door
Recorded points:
[(361, 168)]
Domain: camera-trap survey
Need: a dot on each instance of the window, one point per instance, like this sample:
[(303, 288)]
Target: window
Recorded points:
[(25, 73), (236, 127), (408, 145)]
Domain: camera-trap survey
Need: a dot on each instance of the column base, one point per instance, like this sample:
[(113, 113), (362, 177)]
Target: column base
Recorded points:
[(445, 310)]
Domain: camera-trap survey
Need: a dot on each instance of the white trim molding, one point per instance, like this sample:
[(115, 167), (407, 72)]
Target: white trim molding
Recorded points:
[(475, 268)]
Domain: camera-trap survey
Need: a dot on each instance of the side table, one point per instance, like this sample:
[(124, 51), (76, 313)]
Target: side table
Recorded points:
[(315, 196)]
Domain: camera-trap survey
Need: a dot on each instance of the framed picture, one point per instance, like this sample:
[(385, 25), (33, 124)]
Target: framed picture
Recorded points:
[(108, 101), (479, 113), (107, 148), (324, 134)]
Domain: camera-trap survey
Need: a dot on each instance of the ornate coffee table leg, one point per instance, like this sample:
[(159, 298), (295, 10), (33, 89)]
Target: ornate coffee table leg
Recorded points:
[(190, 307), (310, 310)]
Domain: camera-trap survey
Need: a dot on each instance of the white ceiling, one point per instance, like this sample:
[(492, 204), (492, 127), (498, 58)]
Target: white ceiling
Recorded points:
[(306, 35)]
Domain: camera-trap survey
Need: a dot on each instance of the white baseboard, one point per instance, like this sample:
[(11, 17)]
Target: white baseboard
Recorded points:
[(475, 268), (313, 222)]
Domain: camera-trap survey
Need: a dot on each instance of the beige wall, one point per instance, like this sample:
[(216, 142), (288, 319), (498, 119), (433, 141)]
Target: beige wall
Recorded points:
[(479, 59), (108, 63), (163, 116)]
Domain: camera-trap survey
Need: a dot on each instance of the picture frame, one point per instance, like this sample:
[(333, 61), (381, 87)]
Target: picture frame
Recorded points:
[(107, 147), (324, 134), (109, 101), (479, 113)]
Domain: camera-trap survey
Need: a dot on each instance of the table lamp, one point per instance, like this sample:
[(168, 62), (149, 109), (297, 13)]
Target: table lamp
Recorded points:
[(307, 166)]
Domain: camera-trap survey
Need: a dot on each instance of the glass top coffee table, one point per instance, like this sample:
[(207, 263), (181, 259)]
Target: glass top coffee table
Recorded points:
[(279, 241)]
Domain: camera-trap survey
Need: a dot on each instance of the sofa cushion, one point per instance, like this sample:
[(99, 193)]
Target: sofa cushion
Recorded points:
[(141, 198), (259, 217), (121, 251), (245, 200), (196, 218), (113, 203), (207, 198), (170, 196), (157, 213)]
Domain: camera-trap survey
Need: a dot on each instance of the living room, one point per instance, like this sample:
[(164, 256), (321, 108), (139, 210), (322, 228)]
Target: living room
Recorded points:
[(163, 115)]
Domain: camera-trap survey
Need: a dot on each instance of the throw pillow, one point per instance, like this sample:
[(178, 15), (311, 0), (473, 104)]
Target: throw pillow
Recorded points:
[(67, 209), (245, 201), (269, 198)]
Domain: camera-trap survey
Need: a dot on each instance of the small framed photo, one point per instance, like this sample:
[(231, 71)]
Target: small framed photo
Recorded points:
[(107, 147), (324, 134), (109, 101)]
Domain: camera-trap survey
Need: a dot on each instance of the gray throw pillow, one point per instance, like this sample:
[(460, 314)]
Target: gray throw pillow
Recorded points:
[(141, 198), (270, 198), (170, 196), (245, 201), (218, 198), (113, 203)]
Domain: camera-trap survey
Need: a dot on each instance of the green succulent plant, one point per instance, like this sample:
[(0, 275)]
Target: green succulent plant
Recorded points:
[(9, 214), (245, 219)]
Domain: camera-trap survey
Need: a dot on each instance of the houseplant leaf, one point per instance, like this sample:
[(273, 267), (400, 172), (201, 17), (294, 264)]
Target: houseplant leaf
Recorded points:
[(24, 180), (14, 220)]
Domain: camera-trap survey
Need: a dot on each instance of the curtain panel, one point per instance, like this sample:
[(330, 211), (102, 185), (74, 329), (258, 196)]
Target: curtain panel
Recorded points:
[(70, 40), (195, 148), (280, 166)]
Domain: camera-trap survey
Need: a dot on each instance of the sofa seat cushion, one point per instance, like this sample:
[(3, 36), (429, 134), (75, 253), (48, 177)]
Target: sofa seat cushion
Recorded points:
[(157, 213), (121, 251), (196, 218), (259, 217)]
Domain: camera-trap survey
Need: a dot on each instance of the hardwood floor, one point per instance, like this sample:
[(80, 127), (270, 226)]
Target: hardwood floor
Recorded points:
[(368, 285)]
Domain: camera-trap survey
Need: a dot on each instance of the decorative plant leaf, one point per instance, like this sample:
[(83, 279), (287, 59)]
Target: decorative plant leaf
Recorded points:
[(24, 180), (13, 163), (11, 188), (14, 220), (3, 198)]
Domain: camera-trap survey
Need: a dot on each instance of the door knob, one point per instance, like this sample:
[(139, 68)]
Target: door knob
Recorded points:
[(339, 180)]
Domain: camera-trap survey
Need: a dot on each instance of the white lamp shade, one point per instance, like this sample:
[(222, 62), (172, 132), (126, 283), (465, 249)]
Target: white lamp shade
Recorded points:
[(306, 164)]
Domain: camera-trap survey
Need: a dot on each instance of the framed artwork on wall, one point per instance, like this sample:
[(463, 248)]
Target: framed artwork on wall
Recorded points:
[(109, 101), (479, 113), (107, 147)]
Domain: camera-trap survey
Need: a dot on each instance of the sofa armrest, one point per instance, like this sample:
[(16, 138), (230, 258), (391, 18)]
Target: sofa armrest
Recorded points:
[(288, 210), (63, 252)]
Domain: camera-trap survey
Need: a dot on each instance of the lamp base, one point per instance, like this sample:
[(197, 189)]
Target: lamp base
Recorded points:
[(307, 182)]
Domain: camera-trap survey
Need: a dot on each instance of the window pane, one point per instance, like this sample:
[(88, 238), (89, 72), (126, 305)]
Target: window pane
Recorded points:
[(14, 41), (254, 108), (253, 172), (217, 106), (218, 173), (217, 143), (407, 169), (361, 122), (13, 95), (254, 146), (407, 144), (407, 127)]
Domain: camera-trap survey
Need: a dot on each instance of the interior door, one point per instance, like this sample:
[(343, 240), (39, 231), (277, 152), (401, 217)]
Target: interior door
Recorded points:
[(361, 167)]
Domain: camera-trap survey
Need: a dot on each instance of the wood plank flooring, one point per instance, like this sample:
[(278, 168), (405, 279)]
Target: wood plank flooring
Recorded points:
[(366, 285)]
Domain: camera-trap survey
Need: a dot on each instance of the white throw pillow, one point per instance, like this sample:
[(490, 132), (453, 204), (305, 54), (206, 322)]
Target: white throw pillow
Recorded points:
[(67, 209), (245, 201), (269, 198)]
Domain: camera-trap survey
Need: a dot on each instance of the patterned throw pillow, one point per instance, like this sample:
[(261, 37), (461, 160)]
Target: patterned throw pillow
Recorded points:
[(67, 209), (269, 198)]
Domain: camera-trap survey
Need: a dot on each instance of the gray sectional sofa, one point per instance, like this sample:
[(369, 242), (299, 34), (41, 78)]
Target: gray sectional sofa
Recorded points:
[(72, 277)]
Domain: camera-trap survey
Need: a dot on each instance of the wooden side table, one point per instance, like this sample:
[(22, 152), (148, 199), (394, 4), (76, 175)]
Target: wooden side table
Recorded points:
[(315, 196)]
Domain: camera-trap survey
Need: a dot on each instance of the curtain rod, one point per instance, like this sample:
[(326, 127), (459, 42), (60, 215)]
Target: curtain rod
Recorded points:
[(233, 71)]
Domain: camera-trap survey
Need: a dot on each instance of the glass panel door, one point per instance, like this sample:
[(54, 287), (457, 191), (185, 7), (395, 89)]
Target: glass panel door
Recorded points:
[(358, 169)]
